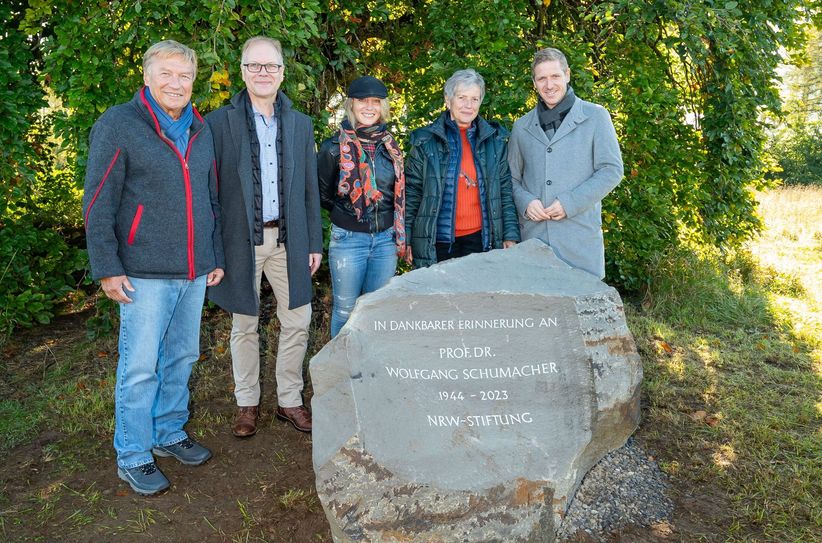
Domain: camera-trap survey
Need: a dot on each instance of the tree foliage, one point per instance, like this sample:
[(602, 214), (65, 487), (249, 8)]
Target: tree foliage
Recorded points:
[(20, 98), (685, 82), (797, 141), (36, 200)]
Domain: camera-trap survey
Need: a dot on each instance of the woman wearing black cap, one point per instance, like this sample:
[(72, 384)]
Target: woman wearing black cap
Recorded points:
[(360, 171)]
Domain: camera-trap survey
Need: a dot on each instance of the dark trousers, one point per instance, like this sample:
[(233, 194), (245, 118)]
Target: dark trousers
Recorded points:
[(463, 245)]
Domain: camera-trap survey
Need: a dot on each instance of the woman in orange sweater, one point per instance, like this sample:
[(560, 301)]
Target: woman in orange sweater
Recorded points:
[(458, 185)]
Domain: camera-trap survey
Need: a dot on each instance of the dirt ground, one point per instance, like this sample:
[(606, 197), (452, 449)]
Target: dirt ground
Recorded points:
[(62, 486)]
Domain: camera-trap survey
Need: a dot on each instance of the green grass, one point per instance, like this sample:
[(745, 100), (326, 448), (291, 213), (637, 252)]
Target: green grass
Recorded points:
[(740, 341), (18, 422)]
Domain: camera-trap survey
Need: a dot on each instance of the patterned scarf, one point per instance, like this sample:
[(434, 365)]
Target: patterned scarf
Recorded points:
[(356, 175)]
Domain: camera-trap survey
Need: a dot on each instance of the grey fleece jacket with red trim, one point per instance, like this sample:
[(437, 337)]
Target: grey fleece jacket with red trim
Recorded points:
[(149, 211)]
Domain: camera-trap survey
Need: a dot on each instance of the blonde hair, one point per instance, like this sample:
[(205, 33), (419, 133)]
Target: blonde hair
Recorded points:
[(385, 111), (166, 49)]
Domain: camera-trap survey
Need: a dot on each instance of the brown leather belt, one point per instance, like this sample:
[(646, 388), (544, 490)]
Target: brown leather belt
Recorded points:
[(270, 224)]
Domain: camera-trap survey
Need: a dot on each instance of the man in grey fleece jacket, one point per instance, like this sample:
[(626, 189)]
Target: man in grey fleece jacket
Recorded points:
[(153, 233)]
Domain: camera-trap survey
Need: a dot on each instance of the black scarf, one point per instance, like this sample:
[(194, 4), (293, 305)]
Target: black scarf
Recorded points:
[(551, 118)]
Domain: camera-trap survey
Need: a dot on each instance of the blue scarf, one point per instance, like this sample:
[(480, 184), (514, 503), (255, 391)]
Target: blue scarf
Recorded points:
[(176, 131)]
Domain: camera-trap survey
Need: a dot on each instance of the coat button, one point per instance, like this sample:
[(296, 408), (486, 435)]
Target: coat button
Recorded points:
[(549, 150), (548, 182)]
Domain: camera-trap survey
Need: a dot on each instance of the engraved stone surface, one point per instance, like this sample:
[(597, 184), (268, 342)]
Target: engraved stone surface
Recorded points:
[(465, 402)]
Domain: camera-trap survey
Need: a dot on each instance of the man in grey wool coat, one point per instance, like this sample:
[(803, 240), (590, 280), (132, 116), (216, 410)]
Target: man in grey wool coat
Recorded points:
[(564, 159), (270, 201)]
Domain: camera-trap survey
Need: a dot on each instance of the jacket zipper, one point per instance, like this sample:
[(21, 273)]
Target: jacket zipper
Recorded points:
[(373, 168), (189, 211), (186, 184), (487, 206)]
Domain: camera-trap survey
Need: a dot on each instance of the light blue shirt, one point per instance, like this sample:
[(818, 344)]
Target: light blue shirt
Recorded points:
[(267, 136)]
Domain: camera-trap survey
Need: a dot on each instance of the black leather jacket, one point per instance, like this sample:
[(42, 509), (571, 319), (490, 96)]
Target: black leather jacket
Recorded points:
[(379, 216)]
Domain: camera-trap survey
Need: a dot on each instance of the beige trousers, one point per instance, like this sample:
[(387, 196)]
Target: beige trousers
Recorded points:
[(245, 338)]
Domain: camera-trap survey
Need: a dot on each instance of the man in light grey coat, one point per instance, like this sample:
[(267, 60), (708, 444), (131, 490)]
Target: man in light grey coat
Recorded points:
[(564, 159), (267, 171)]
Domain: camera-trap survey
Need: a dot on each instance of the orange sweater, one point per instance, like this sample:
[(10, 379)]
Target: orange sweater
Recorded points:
[(469, 212)]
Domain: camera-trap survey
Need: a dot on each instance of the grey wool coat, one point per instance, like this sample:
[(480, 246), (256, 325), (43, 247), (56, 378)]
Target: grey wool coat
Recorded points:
[(238, 293), (579, 166)]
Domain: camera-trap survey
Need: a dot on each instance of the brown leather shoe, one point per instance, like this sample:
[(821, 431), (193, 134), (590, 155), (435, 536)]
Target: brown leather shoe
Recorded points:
[(245, 423), (299, 417)]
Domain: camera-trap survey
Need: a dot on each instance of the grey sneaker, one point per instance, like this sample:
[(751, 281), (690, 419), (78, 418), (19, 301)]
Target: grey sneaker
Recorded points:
[(144, 480), (187, 451)]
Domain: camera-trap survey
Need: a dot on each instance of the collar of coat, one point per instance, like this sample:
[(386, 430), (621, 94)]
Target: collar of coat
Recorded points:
[(576, 115), (142, 105), (436, 129)]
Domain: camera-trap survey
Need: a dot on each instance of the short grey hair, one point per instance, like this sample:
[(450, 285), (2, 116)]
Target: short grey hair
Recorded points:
[(464, 78), (261, 39), (166, 49), (385, 111), (547, 55)]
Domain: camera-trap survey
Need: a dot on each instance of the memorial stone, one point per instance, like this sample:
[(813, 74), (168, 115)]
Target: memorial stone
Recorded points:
[(465, 402)]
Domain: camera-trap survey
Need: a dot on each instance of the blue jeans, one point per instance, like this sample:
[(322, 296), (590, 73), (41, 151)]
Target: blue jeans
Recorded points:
[(159, 343), (360, 262)]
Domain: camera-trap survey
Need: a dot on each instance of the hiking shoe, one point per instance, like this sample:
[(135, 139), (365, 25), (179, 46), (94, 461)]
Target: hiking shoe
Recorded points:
[(144, 480), (187, 451)]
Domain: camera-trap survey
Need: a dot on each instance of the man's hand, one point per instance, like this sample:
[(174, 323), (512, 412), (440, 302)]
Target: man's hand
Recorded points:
[(508, 244), (555, 211), (314, 261), (115, 287), (215, 277), (536, 212), (409, 255)]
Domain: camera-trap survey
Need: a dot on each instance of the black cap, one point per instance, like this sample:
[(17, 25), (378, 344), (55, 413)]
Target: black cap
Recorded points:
[(366, 87)]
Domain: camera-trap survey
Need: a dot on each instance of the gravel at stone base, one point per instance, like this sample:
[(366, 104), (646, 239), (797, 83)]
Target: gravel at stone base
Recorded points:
[(625, 488)]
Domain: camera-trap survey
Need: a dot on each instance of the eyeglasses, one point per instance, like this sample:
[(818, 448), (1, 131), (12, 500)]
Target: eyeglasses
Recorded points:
[(256, 67)]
